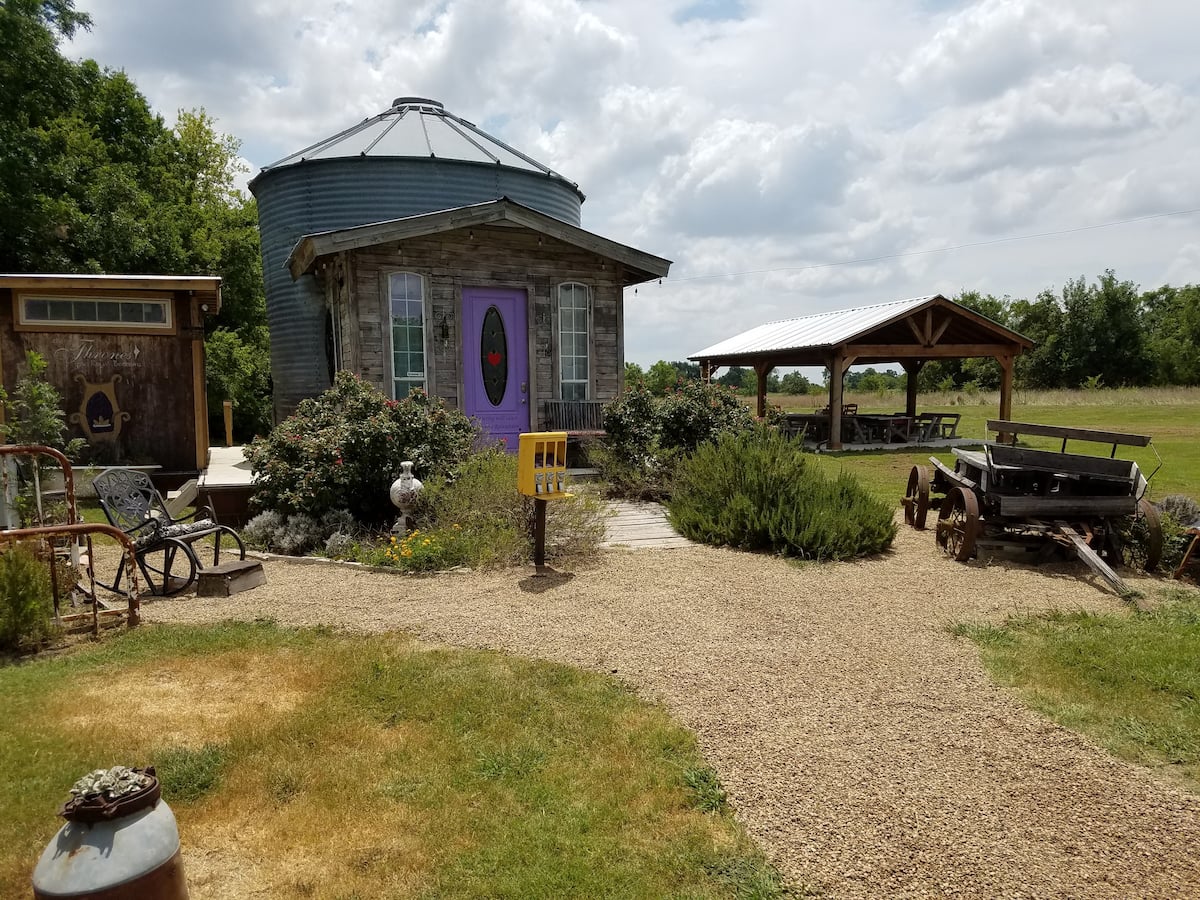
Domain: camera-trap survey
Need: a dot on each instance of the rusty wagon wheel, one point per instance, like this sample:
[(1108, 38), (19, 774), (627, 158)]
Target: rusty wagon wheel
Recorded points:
[(916, 497), (958, 524), (1141, 538)]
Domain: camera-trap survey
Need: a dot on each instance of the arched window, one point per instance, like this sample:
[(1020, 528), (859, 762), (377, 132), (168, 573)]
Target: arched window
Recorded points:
[(574, 334), (406, 300)]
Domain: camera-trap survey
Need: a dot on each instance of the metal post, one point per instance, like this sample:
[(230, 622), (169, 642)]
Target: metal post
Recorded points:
[(539, 536)]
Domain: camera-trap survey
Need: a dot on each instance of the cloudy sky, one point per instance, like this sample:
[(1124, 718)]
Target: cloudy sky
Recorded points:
[(766, 146)]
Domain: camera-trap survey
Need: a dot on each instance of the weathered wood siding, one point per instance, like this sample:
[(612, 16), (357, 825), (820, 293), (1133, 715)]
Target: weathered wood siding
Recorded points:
[(157, 384), (488, 256)]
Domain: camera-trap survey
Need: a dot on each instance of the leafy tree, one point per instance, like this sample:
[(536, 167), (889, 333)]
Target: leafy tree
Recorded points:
[(92, 180), (734, 377), (237, 371), (633, 373), (870, 381), (33, 413), (1103, 332), (688, 371), (1172, 324), (1042, 321), (794, 383), (661, 377)]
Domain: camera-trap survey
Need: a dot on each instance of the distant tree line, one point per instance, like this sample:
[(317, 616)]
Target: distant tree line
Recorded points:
[(1102, 334), (93, 181)]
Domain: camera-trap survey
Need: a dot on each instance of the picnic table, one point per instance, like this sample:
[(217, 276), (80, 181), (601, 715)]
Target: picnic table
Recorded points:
[(874, 428)]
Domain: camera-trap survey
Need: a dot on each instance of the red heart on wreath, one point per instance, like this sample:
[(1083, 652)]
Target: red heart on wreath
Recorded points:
[(493, 358)]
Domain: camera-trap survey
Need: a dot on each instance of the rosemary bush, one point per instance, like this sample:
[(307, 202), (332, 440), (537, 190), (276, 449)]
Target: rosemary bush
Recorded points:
[(756, 490), (26, 602)]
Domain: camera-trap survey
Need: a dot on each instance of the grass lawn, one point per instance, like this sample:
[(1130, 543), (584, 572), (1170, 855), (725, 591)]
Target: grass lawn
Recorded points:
[(305, 763), (1171, 416), (1130, 682)]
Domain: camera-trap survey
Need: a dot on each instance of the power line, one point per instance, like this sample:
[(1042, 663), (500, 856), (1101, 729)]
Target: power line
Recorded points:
[(869, 259)]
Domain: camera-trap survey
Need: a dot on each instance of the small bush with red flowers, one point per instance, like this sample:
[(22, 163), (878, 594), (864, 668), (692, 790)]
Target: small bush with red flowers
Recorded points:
[(343, 449)]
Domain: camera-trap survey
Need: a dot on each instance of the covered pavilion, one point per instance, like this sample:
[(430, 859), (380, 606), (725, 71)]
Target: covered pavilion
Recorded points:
[(910, 332)]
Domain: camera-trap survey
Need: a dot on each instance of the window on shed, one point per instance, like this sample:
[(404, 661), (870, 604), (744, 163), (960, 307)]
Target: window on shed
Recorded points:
[(406, 298), (79, 313), (574, 327)]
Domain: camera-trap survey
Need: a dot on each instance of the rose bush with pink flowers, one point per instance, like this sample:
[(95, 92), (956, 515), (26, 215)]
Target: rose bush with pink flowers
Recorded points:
[(343, 449)]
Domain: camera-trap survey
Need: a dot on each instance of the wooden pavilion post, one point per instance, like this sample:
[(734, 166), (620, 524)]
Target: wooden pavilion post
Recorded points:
[(837, 371), (762, 370), (1006, 384), (912, 368)]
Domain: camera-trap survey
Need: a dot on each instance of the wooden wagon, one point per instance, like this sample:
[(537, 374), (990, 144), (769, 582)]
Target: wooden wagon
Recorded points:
[(1010, 498)]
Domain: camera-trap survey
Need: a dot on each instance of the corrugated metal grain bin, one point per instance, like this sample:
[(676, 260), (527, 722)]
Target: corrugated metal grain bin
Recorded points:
[(414, 158)]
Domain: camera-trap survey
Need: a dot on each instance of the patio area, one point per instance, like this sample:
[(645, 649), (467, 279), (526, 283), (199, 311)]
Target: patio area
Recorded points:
[(876, 431)]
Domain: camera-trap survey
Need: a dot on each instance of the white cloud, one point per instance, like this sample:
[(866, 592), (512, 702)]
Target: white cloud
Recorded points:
[(997, 44), (1056, 118), (749, 136)]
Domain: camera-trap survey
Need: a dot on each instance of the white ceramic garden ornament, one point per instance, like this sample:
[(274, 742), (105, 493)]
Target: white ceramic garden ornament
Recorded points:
[(404, 493)]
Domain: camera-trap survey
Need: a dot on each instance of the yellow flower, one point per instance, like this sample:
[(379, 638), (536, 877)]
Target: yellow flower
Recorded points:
[(425, 543)]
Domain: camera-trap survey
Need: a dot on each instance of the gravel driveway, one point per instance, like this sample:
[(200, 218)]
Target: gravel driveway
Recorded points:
[(863, 746)]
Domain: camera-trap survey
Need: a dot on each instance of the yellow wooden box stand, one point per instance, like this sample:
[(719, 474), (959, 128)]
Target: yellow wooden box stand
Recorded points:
[(542, 475), (542, 465)]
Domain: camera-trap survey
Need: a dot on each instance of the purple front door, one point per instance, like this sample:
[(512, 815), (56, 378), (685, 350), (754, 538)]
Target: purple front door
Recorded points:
[(496, 361)]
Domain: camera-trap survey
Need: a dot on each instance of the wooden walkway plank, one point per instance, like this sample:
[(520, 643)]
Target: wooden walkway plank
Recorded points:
[(641, 526)]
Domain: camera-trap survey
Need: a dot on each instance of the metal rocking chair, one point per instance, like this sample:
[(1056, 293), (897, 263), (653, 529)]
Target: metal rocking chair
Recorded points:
[(163, 544)]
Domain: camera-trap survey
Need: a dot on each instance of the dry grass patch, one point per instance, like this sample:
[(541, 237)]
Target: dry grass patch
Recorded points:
[(308, 764), (186, 701)]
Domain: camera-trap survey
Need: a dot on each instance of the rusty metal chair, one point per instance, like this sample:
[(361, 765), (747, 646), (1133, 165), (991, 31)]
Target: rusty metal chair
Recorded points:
[(164, 545)]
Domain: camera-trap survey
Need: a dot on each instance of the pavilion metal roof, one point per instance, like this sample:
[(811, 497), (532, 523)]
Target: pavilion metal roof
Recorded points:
[(804, 337), (816, 330)]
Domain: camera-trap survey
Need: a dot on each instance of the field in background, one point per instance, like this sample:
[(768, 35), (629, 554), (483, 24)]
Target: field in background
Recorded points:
[(1171, 416)]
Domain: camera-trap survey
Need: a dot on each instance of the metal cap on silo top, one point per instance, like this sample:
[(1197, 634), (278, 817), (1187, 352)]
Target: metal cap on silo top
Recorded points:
[(418, 128)]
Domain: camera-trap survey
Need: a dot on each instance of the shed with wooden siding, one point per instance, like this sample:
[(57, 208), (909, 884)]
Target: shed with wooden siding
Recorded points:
[(126, 352)]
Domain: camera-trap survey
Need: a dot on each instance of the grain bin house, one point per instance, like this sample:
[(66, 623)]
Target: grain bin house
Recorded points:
[(420, 252)]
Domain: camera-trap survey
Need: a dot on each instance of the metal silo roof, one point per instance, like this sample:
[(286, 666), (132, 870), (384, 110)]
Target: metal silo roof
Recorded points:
[(415, 127), (818, 330)]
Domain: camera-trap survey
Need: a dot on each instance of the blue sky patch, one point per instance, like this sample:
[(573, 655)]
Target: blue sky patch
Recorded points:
[(712, 11)]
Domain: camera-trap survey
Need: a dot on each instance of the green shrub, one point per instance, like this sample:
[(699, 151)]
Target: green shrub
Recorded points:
[(26, 602), (33, 414), (646, 435), (756, 490), (343, 450), (474, 516)]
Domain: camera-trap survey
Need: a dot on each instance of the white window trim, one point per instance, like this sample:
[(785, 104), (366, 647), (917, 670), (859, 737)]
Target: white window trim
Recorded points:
[(389, 347), (587, 383), (167, 326)]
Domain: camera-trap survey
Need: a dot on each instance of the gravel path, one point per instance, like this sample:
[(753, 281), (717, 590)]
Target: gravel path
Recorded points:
[(862, 745)]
